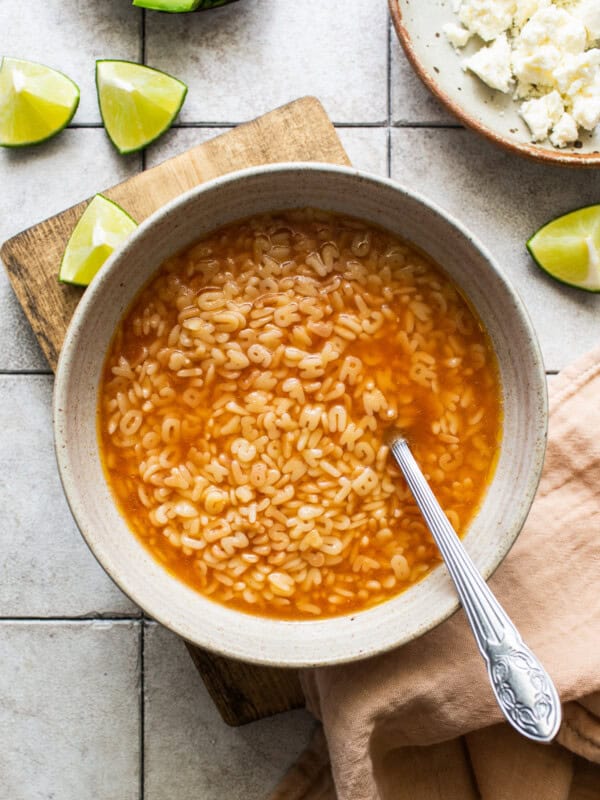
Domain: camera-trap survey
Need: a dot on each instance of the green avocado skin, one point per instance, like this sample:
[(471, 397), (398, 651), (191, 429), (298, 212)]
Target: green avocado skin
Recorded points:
[(180, 6)]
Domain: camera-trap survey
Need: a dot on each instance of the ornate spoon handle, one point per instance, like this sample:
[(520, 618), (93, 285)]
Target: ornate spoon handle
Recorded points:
[(523, 688)]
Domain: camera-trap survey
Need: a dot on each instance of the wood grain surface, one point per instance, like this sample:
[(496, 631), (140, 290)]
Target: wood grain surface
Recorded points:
[(300, 131)]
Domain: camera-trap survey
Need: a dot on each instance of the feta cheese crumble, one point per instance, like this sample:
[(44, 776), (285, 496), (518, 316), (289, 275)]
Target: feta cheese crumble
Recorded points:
[(564, 131), (492, 64), (546, 52), (486, 18), (588, 11), (542, 114), (456, 34)]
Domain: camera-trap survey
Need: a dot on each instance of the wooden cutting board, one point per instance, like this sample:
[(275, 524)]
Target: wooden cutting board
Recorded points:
[(300, 131)]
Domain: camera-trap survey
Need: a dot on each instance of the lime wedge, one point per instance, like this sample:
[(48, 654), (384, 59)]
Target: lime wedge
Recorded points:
[(137, 103), (174, 6), (177, 6), (568, 248), (102, 227), (36, 102)]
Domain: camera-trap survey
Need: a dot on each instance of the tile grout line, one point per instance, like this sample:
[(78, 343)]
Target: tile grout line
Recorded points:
[(25, 372), (229, 124), (143, 37), (142, 644), (234, 124), (389, 99), (70, 620), (360, 125), (435, 126)]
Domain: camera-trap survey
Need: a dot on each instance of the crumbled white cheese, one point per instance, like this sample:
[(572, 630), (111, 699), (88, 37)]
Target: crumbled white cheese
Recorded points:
[(487, 18), (564, 131), (576, 72), (545, 40), (456, 34), (541, 114), (586, 105), (526, 9), (588, 11), (555, 26), (492, 64), (539, 47)]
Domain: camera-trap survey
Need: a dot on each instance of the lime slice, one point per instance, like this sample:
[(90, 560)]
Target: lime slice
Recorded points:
[(137, 103), (102, 228), (568, 248), (36, 102)]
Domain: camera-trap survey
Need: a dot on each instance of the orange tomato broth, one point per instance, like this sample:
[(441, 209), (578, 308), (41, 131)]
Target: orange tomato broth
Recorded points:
[(459, 465)]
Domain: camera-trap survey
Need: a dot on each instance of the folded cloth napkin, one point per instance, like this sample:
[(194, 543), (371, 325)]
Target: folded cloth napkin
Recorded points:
[(391, 723)]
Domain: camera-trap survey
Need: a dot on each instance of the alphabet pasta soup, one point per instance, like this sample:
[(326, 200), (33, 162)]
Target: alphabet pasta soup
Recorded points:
[(246, 395)]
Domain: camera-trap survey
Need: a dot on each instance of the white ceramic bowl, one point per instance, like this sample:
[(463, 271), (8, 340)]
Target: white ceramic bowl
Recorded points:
[(186, 219)]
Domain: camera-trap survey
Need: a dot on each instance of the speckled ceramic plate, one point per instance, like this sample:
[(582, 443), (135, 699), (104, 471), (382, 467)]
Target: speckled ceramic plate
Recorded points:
[(418, 24)]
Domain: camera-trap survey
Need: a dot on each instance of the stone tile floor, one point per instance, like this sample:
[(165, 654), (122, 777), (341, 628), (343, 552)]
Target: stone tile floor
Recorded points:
[(94, 700)]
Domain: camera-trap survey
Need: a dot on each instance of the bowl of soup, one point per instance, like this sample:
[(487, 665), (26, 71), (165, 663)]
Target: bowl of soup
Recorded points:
[(223, 395)]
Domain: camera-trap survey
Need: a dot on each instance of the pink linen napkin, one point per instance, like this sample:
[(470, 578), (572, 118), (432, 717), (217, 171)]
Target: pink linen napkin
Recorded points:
[(391, 723)]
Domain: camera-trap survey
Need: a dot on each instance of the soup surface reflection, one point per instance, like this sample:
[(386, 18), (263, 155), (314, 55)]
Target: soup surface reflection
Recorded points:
[(245, 398)]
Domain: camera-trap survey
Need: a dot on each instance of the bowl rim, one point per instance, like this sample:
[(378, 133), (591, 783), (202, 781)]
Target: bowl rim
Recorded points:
[(73, 493), (544, 155)]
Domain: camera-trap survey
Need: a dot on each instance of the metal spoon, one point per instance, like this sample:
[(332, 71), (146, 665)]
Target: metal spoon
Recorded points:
[(523, 688)]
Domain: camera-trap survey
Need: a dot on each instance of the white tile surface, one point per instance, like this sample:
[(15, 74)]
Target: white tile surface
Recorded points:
[(47, 570), (178, 140), (411, 102), (245, 59), (503, 200), (190, 753), (367, 148), (36, 183), (18, 346), (69, 711), (69, 35)]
